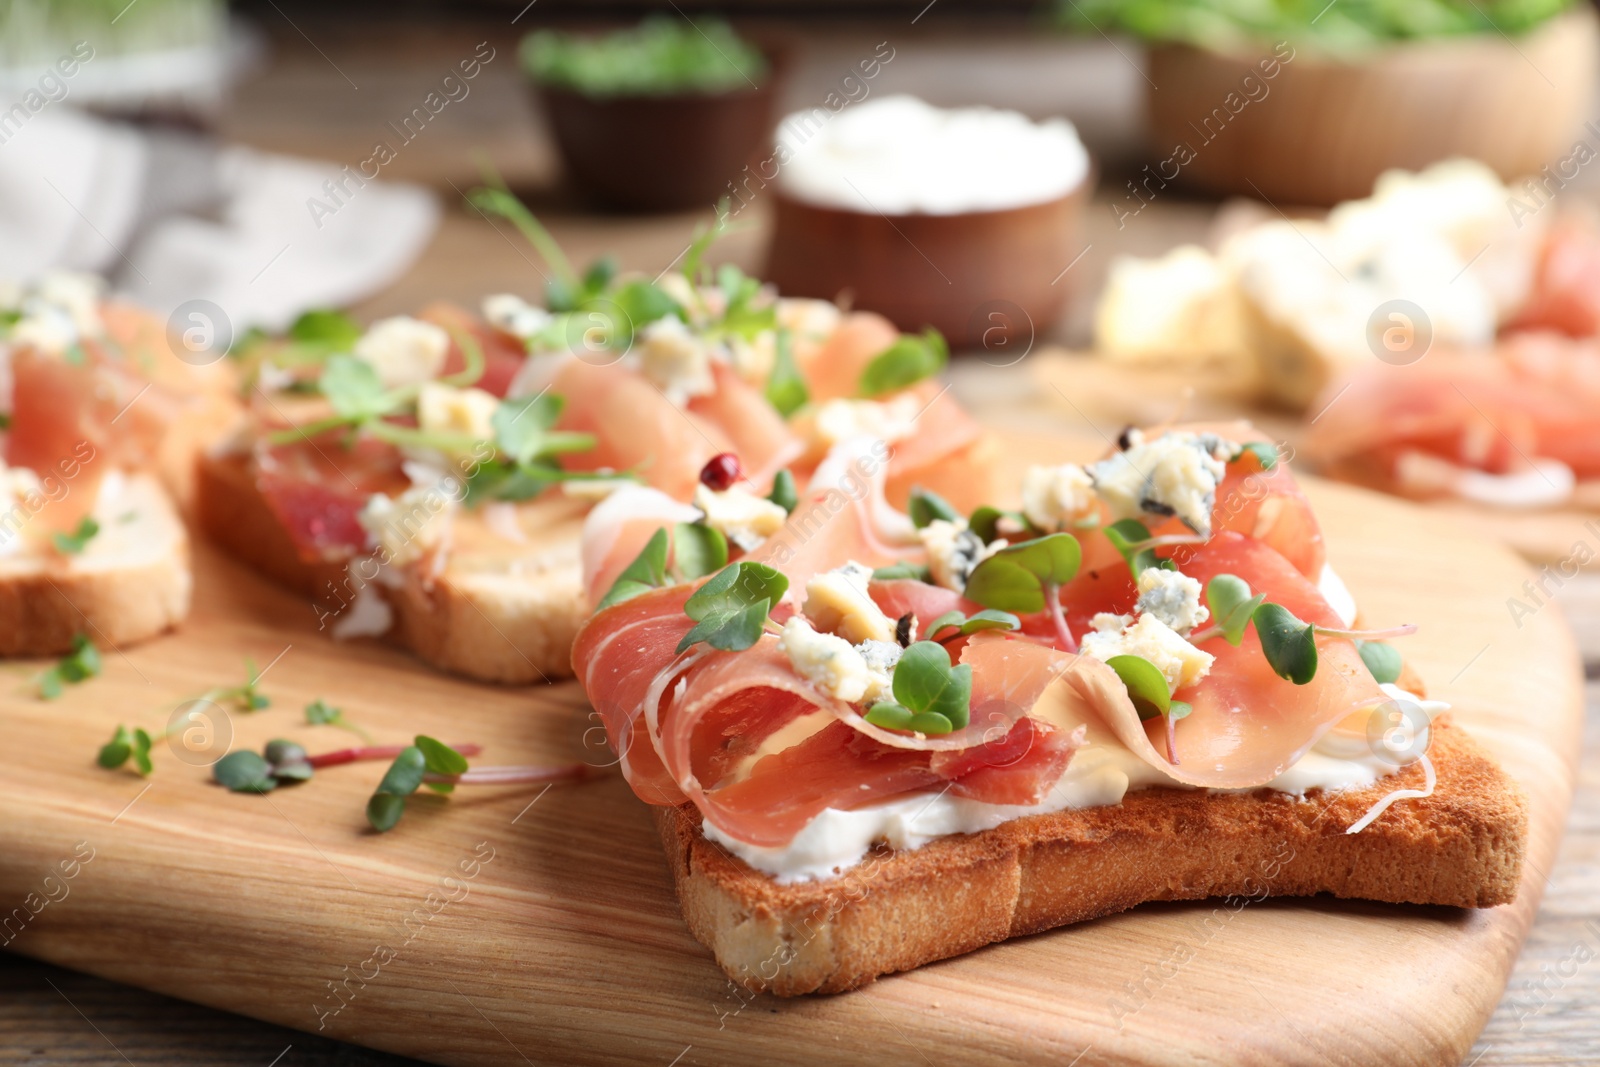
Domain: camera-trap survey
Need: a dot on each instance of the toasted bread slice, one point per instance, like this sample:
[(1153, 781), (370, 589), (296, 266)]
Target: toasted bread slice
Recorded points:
[(1462, 847), (131, 581), (497, 611)]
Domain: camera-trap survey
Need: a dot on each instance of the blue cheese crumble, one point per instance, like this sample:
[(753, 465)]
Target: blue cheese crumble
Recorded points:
[(1174, 474)]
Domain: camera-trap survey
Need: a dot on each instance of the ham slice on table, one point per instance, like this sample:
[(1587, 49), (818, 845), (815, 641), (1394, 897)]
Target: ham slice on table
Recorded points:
[(1535, 399)]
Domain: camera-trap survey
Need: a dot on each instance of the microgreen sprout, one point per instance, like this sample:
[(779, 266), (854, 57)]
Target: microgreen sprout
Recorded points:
[(906, 362), (440, 767), (1147, 688), (961, 625), (1134, 542), (1027, 578), (731, 610), (696, 549), (784, 494), (320, 713), (1288, 643), (930, 696), (926, 506), (898, 571), (124, 745), (135, 744), (81, 664), (75, 542), (786, 388)]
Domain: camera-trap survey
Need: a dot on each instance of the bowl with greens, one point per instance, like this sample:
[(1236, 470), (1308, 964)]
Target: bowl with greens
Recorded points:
[(1308, 101), (661, 115)]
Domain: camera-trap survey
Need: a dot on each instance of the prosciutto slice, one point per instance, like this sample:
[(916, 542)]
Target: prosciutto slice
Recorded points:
[(1537, 397), (707, 727), (1248, 725)]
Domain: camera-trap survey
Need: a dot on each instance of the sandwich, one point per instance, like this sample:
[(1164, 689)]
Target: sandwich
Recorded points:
[(102, 415), (425, 478), (879, 738)]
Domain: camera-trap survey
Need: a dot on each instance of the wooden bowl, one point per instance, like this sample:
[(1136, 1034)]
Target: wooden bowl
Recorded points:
[(985, 279), (1327, 128), (659, 153)]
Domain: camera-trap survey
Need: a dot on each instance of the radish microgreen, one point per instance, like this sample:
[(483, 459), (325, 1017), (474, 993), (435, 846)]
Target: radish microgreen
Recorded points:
[(930, 696), (75, 542), (962, 625), (1027, 578), (784, 494), (730, 611), (1147, 688), (926, 506), (786, 387), (1382, 660), (908, 361), (1288, 643), (895, 572), (79, 665), (647, 571), (320, 713), (125, 745), (698, 550)]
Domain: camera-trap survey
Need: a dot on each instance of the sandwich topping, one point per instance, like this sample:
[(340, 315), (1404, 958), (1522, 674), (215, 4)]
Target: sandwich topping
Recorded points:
[(812, 696)]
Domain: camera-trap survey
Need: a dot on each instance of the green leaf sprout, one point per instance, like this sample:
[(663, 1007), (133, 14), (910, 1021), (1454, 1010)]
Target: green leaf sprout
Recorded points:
[(730, 611), (931, 696), (905, 363)]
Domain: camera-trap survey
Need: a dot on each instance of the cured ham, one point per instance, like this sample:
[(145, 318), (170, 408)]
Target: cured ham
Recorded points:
[(762, 744), (1517, 427), (317, 486)]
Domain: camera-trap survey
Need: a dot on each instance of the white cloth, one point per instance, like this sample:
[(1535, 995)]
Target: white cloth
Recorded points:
[(170, 218)]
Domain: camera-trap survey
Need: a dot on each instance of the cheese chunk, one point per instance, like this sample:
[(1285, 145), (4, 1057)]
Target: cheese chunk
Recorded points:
[(841, 419), (404, 351), (1181, 663), (1172, 597), (837, 602), (742, 517), (673, 358), (830, 663), (1174, 474), (514, 315), (881, 658), (1057, 497), (953, 552), (445, 409), (405, 528)]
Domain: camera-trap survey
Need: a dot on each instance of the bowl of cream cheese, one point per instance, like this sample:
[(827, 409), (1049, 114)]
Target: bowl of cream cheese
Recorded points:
[(961, 219)]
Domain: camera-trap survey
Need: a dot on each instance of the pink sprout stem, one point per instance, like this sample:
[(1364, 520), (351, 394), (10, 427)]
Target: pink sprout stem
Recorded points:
[(565, 772), (1063, 635), (367, 752)]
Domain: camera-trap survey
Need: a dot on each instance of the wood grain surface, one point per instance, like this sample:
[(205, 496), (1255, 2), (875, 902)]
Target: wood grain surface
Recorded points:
[(542, 921)]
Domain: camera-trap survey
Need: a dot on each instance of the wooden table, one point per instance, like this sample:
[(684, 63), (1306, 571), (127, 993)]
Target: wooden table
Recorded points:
[(303, 103)]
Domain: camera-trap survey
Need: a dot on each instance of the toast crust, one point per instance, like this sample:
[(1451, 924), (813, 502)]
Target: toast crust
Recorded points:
[(510, 627), (121, 593), (1461, 847)]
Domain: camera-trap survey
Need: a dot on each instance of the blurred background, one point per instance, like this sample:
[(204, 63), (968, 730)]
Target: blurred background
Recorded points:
[(163, 202)]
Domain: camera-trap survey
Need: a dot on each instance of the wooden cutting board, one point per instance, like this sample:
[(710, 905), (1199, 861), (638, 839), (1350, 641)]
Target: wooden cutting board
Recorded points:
[(518, 925), (1106, 394)]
